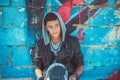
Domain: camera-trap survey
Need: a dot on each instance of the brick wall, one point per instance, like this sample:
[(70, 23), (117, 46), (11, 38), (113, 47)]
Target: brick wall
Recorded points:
[(15, 59), (96, 23)]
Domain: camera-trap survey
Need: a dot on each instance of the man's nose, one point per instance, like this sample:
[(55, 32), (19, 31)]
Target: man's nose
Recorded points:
[(55, 28)]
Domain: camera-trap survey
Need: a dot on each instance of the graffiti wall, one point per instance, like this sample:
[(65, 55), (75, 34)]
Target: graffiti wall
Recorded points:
[(96, 23)]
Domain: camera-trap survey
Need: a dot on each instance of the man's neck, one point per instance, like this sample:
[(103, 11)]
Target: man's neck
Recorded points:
[(56, 40)]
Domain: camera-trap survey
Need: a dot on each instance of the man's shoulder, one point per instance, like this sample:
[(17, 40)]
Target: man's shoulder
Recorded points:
[(40, 42)]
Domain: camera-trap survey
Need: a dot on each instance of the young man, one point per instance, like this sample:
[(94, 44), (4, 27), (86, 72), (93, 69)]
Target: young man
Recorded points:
[(58, 47)]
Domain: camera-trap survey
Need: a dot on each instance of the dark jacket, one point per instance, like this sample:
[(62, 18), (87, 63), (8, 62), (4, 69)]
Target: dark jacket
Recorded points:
[(69, 54)]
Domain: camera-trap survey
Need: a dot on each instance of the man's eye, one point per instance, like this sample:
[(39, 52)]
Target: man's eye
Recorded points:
[(57, 25), (50, 26)]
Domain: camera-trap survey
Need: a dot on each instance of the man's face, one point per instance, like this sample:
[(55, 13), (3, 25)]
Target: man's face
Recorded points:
[(54, 28)]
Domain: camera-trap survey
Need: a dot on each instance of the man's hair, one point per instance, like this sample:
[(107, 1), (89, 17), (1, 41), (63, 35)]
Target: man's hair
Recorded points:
[(50, 17)]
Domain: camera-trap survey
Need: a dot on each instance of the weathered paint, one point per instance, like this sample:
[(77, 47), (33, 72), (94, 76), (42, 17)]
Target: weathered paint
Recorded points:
[(98, 30)]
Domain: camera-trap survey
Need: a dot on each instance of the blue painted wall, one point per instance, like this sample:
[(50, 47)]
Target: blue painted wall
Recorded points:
[(15, 59), (99, 36)]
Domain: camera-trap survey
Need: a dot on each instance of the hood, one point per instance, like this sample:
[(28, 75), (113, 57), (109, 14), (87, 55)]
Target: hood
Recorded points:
[(45, 34)]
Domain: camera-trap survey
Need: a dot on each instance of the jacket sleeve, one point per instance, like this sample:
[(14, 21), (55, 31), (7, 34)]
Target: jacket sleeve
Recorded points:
[(38, 60), (77, 55)]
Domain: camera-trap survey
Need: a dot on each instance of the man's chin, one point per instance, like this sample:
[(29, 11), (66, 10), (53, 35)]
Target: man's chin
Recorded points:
[(56, 36)]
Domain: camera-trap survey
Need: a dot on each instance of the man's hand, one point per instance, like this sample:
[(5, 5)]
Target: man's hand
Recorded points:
[(73, 77), (41, 78)]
